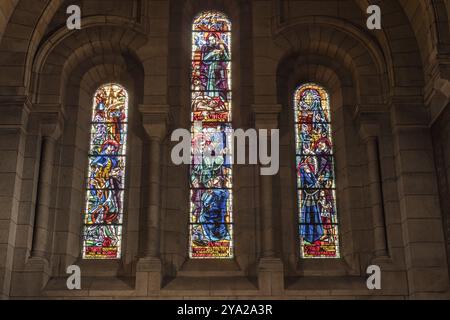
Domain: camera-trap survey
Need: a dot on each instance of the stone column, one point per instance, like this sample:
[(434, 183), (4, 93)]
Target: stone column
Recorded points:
[(369, 133), (148, 275), (268, 234), (270, 270), (152, 230)]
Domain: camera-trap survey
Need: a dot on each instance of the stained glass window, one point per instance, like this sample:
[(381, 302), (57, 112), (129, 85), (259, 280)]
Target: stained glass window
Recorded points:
[(211, 228), (103, 216), (318, 228)]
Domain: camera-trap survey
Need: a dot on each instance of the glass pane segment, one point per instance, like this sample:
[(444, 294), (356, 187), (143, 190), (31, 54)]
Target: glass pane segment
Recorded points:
[(110, 104), (106, 172), (315, 172), (211, 241), (211, 106), (107, 138), (104, 206), (322, 201), (326, 248), (211, 175), (211, 206), (312, 105), (102, 242), (314, 139)]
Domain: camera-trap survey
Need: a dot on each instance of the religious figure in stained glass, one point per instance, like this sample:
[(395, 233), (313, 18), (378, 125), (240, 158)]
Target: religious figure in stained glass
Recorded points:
[(106, 177), (211, 171), (211, 68), (318, 227)]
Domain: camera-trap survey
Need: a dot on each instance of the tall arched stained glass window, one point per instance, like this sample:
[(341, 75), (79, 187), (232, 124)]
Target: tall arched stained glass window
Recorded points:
[(318, 227), (102, 234), (211, 229)]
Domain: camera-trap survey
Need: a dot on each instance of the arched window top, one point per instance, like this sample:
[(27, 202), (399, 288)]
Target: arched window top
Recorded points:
[(110, 103), (318, 228), (105, 186), (212, 21)]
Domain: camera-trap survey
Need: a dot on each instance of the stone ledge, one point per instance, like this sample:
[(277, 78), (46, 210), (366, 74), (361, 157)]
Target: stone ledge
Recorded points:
[(210, 268), (342, 286), (91, 287)]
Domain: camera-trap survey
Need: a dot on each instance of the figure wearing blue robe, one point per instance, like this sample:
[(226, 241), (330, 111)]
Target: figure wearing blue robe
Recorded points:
[(310, 225), (213, 215)]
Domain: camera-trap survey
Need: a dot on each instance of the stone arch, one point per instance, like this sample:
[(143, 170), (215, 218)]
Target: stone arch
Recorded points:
[(81, 84), (294, 70), (336, 40), (399, 44), (26, 30)]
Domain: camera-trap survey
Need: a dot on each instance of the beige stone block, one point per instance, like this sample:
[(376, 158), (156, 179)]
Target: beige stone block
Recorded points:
[(157, 84), (23, 236), (417, 161), (8, 184), (261, 27), (5, 255), (418, 184), (394, 235), (6, 203), (5, 234), (426, 255), (424, 230), (404, 115), (265, 85), (420, 206)]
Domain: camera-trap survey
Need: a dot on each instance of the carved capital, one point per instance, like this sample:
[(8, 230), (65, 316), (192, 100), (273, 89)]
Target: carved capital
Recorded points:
[(155, 119), (266, 116), (369, 130)]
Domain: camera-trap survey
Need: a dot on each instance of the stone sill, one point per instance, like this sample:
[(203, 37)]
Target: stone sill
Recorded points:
[(324, 267), (91, 287), (210, 285), (210, 268), (175, 287)]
